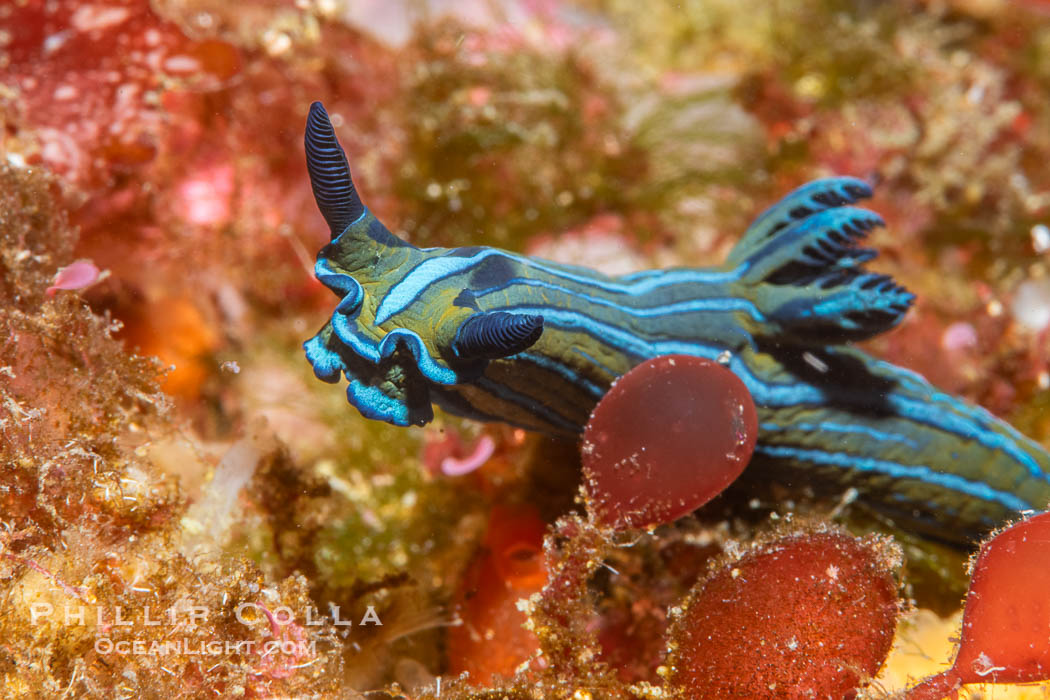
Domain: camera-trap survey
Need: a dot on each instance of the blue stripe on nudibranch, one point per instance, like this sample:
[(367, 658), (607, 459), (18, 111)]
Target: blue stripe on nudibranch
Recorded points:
[(899, 471), (374, 352), (595, 362), (565, 371), (983, 418), (493, 335), (862, 431), (726, 304), (434, 270), (625, 341), (549, 414)]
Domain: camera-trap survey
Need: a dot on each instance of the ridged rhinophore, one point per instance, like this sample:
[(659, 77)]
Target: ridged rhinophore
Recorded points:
[(329, 172)]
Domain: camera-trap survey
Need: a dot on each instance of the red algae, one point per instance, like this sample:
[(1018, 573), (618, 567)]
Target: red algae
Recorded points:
[(652, 575), (668, 437), (808, 615), (66, 389), (491, 641), (91, 526), (95, 111), (1006, 621), (176, 332)]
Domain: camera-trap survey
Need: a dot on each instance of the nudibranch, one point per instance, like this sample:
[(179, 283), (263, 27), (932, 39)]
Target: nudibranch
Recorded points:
[(496, 336)]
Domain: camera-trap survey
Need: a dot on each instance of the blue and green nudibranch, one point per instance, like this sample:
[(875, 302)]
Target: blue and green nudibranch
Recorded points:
[(496, 336)]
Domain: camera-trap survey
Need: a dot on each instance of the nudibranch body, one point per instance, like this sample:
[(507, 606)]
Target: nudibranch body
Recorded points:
[(496, 336)]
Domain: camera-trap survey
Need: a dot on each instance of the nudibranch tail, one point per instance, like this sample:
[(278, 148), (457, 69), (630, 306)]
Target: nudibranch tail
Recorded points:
[(330, 173)]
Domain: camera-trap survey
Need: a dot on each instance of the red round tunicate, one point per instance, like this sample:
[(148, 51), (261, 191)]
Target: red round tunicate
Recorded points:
[(1006, 620), (668, 437), (810, 615), (1006, 623), (509, 566)]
